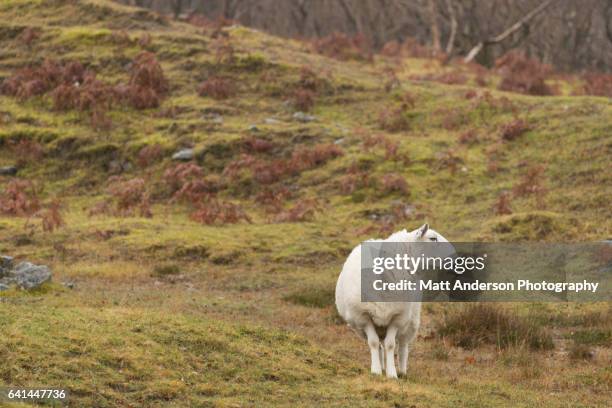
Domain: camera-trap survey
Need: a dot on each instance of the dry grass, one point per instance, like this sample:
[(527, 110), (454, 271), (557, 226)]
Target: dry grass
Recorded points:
[(474, 325)]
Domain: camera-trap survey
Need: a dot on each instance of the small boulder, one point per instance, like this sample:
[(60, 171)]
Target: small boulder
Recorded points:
[(271, 121), (29, 276), (8, 171), (303, 117), (6, 264), (253, 128), (3, 287), (183, 155)]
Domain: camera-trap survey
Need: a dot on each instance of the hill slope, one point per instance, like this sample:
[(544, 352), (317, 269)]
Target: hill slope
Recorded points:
[(188, 307)]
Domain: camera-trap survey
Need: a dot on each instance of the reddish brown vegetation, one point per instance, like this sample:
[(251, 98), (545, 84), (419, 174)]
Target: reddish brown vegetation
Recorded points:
[(393, 182), (449, 78), (273, 198), (304, 210), (343, 47), (72, 86), (303, 100), (502, 205), (148, 155), (214, 27), (147, 85), (214, 211), (29, 35), (598, 84), (353, 180), (51, 216), (523, 74), (448, 160), (513, 130), (532, 183), (217, 87), (127, 198), (391, 80), (305, 158), (19, 198), (391, 148), (409, 48), (453, 118), (26, 151), (468, 137), (258, 145), (394, 119), (188, 185)]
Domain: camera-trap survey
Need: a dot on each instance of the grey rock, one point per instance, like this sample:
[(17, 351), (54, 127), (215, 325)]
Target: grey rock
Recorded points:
[(6, 261), (339, 141), (303, 117), (6, 264), (183, 155), (253, 128), (29, 276), (271, 121), (3, 287), (8, 171)]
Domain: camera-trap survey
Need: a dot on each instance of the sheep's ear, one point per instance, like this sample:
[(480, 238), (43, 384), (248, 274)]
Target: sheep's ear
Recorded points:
[(422, 231)]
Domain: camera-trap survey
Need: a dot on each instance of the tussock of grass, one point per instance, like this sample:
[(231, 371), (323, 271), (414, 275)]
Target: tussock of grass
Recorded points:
[(475, 325), (312, 297)]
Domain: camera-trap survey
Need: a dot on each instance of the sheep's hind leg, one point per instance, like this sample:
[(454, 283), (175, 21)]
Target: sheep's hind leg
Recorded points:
[(381, 352), (374, 344), (389, 345), (403, 355)]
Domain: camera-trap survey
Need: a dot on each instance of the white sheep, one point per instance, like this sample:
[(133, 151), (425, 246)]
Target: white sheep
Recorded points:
[(396, 321)]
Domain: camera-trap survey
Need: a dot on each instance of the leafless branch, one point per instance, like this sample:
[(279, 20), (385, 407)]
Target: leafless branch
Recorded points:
[(511, 30)]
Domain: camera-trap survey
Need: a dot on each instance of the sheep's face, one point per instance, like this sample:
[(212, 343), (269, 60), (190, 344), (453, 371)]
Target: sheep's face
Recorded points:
[(426, 234), (440, 247)]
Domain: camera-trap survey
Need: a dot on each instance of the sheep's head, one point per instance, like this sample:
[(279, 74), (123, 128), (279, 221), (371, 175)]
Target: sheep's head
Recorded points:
[(426, 234), (431, 244)]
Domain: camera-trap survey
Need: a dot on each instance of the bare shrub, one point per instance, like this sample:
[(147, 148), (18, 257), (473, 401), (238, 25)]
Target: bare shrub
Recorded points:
[(178, 176), (513, 130), (448, 78), (273, 198), (51, 216), (523, 74), (19, 198), (394, 119), (304, 210), (305, 158), (148, 155), (598, 84), (393, 182), (448, 159), (214, 211), (532, 183), (217, 87), (343, 47), (258, 145), (502, 205), (468, 137), (353, 180), (29, 35), (130, 197), (26, 151), (303, 100)]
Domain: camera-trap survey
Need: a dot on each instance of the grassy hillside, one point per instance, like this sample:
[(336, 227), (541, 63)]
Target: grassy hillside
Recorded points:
[(224, 296)]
